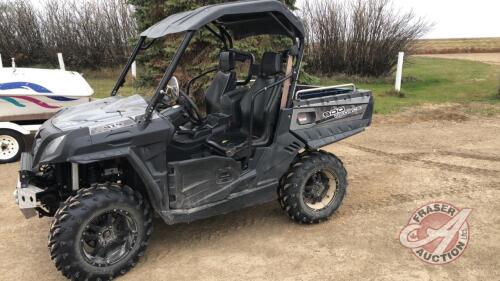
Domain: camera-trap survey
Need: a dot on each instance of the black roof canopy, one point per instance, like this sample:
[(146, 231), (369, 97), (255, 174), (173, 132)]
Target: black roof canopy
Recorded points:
[(241, 18)]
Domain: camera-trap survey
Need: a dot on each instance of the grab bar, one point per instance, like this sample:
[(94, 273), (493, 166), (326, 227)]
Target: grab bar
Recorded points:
[(326, 88)]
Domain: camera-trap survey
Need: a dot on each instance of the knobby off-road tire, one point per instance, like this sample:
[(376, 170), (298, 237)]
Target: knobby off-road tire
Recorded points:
[(84, 217), (295, 191)]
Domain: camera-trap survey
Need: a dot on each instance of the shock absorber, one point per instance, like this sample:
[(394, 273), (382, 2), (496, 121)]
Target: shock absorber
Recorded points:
[(94, 174)]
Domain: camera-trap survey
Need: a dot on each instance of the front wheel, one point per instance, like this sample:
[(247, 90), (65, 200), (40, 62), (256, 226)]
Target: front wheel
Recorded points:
[(313, 188), (100, 232)]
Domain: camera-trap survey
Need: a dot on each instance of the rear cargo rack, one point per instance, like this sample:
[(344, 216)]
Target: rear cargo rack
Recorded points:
[(317, 91)]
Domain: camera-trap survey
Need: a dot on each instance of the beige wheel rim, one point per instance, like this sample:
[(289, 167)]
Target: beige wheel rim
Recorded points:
[(322, 198)]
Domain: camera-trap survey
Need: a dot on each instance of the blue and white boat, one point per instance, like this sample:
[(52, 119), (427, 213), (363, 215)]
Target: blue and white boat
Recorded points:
[(36, 94), (28, 97)]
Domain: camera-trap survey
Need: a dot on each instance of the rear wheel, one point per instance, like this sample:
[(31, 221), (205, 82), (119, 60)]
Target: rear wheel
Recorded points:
[(313, 188), (100, 232), (11, 145)]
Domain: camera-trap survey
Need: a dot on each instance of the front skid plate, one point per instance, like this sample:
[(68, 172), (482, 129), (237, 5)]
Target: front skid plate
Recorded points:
[(27, 200)]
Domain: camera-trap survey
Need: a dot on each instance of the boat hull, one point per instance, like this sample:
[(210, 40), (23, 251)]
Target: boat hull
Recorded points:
[(35, 107)]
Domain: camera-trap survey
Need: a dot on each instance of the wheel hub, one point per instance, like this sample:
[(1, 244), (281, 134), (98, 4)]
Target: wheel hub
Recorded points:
[(109, 238), (108, 235), (317, 191), (9, 147)]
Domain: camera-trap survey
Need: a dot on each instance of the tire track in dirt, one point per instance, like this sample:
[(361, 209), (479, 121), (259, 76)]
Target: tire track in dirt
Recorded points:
[(400, 198), (415, 157), (492, 158)]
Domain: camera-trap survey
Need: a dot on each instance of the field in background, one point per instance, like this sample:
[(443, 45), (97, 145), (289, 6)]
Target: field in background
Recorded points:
[(426, 80), (433, 80), (455, 46), (490, 58)]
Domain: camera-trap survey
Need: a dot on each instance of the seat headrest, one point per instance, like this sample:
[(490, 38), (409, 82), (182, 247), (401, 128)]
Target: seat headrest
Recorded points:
[(226, 61), (271, 64)]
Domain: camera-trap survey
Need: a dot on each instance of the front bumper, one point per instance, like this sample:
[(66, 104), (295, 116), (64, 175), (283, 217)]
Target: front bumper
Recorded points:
[(26, 195)]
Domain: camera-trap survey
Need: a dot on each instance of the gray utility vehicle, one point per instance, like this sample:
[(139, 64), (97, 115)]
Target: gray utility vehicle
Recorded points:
[(105, 168)]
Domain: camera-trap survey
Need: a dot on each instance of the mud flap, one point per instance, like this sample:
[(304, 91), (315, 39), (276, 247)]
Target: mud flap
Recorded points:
[(323, 116)]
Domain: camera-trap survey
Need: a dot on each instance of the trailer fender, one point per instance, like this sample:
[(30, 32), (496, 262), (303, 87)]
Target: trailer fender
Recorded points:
[(24, 130)]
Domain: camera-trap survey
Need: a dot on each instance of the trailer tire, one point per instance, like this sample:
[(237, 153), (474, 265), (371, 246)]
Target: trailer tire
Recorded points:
[(313, 188), (11, 146), (100, 233)]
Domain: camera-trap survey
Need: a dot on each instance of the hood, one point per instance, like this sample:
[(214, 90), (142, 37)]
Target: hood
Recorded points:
[(103, 111)]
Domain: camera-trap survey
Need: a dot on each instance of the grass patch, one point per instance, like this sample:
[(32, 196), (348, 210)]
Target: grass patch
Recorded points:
[(103, 81), (432, 80), (394, 93)]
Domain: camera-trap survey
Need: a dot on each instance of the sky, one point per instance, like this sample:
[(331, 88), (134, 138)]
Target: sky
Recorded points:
[(453, 18)]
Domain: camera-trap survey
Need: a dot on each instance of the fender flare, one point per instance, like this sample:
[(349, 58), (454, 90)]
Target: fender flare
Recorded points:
[(153, 190)]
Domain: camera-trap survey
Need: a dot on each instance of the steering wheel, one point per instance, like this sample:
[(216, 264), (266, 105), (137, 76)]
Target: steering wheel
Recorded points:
[(174, 93), (190, 107)]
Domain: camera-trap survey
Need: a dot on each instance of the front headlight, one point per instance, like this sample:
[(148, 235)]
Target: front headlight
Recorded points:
[(51, 148)]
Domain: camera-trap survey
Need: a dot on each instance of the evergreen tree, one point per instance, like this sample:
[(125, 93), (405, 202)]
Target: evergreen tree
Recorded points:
[(203, 49)]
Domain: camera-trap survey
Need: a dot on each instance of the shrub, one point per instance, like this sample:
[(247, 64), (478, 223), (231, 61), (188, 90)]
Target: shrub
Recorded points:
[(361, 37), (89, 33), (20, 34)]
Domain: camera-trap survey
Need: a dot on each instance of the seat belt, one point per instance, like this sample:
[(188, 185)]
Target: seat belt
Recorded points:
[(287, 83)]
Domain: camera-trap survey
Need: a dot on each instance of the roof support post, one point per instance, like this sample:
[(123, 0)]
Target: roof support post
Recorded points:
[(131, 60)]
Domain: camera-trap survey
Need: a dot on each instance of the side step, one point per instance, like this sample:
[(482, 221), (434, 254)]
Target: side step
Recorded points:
[(243, 199)]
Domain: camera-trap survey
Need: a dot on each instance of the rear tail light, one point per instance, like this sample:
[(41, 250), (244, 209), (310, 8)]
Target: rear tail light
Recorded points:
[(305, 118)]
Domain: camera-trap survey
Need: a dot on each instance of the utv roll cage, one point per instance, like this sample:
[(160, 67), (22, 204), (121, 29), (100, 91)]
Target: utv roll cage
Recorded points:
[(225, 21)]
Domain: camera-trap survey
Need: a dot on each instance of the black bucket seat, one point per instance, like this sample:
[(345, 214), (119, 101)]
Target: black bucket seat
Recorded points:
[(223, 82), (265, 110)]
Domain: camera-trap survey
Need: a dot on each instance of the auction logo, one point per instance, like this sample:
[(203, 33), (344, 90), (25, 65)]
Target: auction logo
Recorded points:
[(437, 233)]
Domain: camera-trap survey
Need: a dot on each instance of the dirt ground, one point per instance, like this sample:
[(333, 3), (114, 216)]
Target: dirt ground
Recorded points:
[(490, 58), (397, 165)]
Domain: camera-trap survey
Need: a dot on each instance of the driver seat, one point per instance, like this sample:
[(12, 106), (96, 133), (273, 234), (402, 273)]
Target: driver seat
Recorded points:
[(224, 81)]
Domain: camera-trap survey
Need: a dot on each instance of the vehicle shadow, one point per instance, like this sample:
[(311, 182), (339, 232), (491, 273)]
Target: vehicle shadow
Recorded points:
[(249, 220)]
